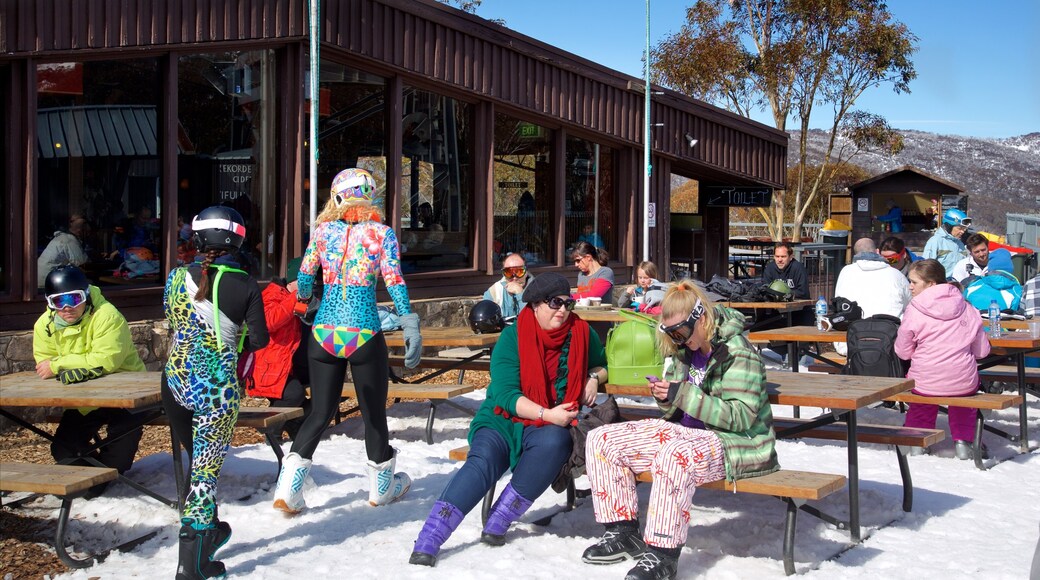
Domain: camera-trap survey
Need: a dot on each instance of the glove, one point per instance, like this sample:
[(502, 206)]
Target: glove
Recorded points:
[(412, 340), (653, 298), (70, 376)]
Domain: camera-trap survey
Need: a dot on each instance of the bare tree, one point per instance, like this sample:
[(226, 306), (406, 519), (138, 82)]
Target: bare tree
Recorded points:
[(791, 56)]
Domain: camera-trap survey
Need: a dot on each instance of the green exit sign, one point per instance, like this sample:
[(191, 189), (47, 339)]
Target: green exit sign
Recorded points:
[(530, 130)]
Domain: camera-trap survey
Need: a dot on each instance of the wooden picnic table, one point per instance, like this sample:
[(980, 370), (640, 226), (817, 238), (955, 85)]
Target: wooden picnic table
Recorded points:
[(137, 391), (1010, 346), (445, 336), (835, 392), (786, 309)]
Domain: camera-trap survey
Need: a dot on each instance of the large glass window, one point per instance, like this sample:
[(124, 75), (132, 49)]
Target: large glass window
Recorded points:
[(589, 201), (436, 182), (98, 196), (226, 144), (5, 268), (522, 190), (351, 127)]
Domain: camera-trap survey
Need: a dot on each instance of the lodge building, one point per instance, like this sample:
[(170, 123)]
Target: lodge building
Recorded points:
[(121, 119)]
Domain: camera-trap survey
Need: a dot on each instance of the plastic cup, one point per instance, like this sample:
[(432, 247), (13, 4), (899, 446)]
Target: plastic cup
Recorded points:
[(1034, 328)]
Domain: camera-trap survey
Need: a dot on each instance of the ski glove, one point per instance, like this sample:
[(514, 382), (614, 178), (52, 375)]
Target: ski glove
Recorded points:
[(412, 340), (70, 376)]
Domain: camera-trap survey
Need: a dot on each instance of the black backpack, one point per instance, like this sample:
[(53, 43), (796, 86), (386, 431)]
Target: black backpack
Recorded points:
[(871, 343)]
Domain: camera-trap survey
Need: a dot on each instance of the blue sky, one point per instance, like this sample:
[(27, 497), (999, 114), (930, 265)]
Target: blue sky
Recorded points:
[(978, 66)]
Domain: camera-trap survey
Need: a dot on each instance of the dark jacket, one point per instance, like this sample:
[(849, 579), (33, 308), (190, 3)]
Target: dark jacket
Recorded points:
[(793, 275)]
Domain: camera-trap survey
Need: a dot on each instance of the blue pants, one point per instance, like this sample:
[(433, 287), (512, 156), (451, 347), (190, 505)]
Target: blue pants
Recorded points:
[(544, 451)]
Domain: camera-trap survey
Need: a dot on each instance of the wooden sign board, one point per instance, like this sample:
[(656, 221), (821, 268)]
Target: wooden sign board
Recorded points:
[(733, 196)]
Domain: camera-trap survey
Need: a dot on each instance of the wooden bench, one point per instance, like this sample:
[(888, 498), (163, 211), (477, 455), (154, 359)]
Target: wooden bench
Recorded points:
[(794, 488), (1010, 373), (67, 482), (979, 402), (445, 364), (821, 367), (436, 394), (901, 438)]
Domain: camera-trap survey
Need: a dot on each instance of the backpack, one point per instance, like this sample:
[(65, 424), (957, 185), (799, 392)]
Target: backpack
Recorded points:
[(871, 343), (632, 350)]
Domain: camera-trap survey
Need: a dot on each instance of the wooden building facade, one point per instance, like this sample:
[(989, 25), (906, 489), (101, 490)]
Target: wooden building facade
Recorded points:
[(121, 119), (919, 194)]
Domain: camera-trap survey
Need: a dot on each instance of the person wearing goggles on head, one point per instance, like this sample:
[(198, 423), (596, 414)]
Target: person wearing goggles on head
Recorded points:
[(543, 369), (507, 291), (946, 245), (79, 337), (897, 255), (716, 423)]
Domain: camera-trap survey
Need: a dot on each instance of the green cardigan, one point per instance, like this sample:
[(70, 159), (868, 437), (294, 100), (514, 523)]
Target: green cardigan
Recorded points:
[(732, 399), (504, 389)]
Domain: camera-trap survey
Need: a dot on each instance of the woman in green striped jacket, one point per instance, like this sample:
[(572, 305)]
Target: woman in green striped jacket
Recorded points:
[(716, 423)]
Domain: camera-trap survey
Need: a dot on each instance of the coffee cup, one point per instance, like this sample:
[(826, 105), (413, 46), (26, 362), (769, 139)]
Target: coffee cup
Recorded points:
[(583, 302), (595, 301)]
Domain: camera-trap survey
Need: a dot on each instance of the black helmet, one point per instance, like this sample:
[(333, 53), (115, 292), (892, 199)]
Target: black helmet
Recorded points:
[(844, 311), (218, 228), (486, 317), (66, 279)]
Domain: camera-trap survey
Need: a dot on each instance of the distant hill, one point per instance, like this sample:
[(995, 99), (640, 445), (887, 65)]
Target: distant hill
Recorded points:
[(1000, 176)]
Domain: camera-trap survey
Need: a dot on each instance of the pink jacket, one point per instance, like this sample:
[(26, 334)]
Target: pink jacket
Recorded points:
[(942, 335)]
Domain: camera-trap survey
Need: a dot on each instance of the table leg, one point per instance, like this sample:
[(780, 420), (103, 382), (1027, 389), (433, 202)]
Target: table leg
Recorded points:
[(1023, 428), (850, 423), (792, 360)]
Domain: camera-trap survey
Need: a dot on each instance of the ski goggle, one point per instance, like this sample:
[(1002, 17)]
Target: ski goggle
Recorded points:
[(682, 331), (963, 223), (514, 272), (66, 299), (557, 301), (893, 257)]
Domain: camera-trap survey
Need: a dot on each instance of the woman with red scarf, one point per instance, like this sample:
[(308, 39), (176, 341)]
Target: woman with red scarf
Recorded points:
[(543, 369)]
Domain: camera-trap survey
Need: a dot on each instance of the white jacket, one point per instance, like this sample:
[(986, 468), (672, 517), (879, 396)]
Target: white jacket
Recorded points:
[(877, 287), (960, 271)]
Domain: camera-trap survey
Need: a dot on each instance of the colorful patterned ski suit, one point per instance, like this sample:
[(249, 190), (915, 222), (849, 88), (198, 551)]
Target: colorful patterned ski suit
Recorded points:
[(201, 375)]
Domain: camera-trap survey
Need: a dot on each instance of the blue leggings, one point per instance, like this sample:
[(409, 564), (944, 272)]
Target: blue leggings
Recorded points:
[(544, 451)]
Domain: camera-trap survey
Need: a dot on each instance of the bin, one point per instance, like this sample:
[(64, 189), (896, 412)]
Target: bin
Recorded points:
[(839, 237), (1023, 266)]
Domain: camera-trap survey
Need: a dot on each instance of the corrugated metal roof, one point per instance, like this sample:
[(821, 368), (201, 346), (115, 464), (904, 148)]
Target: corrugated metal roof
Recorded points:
[(97, 131)]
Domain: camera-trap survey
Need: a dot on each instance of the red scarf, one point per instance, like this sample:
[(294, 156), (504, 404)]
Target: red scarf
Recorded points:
[(540, 352)]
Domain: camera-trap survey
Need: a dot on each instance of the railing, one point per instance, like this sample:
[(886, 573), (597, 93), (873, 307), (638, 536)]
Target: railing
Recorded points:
[(757, 229)]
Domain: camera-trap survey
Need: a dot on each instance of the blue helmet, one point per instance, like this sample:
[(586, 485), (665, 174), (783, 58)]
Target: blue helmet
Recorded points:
[(956, 217)]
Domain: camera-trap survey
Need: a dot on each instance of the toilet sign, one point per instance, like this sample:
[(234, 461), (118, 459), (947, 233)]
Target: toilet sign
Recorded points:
[(734, 196)]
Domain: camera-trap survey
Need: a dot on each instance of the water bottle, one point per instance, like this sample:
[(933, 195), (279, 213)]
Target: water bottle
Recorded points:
[(821, 313), (994, 319)]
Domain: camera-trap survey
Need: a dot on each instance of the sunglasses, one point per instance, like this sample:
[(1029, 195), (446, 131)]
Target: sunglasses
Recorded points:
[(556, 302), (66, 299), (682, 331), (514, 272)]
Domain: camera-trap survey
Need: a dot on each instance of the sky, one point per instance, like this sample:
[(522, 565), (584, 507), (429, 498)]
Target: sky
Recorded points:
[(978, 63), (965, 523)]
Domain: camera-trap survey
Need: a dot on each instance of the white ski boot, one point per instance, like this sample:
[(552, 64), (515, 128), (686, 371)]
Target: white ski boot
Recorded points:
[(385, 486), (288, 493)]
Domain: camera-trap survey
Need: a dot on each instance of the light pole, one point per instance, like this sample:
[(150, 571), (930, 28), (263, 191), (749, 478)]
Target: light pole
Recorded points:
[(315, 42), (646, 143)]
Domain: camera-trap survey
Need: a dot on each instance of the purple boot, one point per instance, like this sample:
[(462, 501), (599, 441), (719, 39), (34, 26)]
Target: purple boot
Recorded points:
[(509, 507), (442, 521)]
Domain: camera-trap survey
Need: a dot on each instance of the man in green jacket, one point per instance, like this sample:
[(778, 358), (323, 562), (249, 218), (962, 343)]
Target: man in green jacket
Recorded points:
[(82, 336)]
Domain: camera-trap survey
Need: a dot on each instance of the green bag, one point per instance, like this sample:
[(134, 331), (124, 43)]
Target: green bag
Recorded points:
[(631, 350)]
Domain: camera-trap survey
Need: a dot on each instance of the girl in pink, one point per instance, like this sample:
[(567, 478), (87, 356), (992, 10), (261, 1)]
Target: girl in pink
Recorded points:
[(942, 336)]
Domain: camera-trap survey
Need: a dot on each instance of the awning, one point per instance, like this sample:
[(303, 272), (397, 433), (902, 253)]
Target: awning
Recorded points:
[(97, 131)]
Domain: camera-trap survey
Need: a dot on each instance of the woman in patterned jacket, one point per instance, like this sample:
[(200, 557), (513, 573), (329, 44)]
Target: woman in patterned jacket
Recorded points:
[(351, 246), (716, 423), (208, 303)]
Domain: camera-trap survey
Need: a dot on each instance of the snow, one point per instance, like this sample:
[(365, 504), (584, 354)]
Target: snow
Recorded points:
[(964, 523)]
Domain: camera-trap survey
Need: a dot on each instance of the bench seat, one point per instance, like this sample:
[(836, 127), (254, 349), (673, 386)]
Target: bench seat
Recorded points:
[(1010, 373), (67, 482), (436, 394), (792, 487)]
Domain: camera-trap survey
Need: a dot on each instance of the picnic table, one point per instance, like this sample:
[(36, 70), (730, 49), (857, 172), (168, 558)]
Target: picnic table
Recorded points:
[(843, 394), (1011, 346), (137, 392), (770, 311)]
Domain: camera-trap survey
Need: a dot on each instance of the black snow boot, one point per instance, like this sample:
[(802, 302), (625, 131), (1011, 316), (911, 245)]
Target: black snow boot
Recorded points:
[(621, 541), (197, 548), (656, 564)]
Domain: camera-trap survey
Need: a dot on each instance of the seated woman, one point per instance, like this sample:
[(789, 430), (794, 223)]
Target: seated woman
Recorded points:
[(595, 279), (646, 294), (543, 369), (716, 423)]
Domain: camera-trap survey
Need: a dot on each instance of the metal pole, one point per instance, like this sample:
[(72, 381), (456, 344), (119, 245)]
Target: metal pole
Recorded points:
[(595, 194), (315, 31), (646, 144)]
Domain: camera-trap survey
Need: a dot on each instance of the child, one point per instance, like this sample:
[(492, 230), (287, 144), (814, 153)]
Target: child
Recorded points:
[(646, 294), (942, 336)]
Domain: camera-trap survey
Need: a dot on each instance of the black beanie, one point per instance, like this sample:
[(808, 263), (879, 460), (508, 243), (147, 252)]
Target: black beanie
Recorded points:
[(545, 286)]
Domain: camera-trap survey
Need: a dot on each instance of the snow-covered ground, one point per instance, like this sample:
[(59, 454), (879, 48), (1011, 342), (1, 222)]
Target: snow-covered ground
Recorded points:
[(965, 522)]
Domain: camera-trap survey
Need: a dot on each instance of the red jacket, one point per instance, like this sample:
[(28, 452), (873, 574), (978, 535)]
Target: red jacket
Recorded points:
[(274, 362)]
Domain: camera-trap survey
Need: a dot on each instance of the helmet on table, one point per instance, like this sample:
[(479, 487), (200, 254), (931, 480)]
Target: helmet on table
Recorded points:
[(486, 317), (353, 184), (218, 228), (777, 290), (956, 217)]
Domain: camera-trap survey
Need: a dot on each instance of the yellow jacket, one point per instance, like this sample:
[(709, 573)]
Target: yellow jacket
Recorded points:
[(100, 339)]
